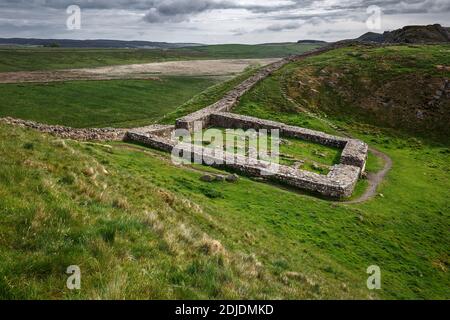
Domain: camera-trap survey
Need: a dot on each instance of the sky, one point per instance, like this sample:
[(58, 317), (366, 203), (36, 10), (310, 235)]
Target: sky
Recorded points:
[(215, 21)]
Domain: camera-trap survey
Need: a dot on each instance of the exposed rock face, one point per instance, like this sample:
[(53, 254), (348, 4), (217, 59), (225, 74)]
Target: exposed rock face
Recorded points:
[(410, 34), (418, 34)]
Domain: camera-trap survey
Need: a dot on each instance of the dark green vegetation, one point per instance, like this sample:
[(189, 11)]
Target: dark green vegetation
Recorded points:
[(32, 59), (140, 227), (116, 103)]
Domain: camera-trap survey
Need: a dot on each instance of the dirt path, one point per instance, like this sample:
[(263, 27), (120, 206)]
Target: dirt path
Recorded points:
[(225, 67), (374, 179)]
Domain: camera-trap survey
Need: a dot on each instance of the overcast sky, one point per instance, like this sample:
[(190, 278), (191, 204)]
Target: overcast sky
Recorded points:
[(213, 21)]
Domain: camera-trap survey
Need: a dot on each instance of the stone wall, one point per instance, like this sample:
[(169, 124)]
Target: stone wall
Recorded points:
[(235, 121), (340, 181), (91, 134), (354, 151), (355, 154)]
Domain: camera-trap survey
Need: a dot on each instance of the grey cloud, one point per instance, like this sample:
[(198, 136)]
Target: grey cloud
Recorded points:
[(163, 18), (281, 27)]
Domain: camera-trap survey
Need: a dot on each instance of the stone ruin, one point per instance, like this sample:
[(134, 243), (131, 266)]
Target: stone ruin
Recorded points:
[(340, 182)]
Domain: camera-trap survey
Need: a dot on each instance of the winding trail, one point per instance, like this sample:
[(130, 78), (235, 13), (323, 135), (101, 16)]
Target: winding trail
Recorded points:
[(374, 179)]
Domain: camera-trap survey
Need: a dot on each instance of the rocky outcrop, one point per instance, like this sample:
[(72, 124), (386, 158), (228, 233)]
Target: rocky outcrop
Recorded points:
[(418, 34)]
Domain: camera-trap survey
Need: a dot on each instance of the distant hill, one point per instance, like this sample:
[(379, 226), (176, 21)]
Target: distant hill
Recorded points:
[(371, 37), (410, 34), (66, 43), (311, 41)]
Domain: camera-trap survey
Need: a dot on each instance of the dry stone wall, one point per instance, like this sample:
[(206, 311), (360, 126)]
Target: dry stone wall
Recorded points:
[(340, 182), (107, 134)]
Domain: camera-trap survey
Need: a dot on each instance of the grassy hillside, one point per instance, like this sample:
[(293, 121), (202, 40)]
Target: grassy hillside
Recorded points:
[(114, 103), (141, 228), (400, 87), (32, 59), (394, 87)]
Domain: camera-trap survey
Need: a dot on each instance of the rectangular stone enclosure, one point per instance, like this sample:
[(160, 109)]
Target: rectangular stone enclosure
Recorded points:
[(338, 183)]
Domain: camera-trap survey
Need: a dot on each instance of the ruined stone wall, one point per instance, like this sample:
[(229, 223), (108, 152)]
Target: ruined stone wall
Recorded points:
[(340, 182), (231, 120), (354, 151), (91, 134), (355, 154)]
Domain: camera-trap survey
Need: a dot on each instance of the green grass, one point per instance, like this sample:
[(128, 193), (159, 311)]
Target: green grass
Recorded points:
[(386, 87), (266, 101), (114, 103), (241, 51), (141, 227), (33, 59), (207, 97)]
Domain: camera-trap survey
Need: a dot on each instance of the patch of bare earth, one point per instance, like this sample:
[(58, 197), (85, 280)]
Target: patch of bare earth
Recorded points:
[(225, 67)]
